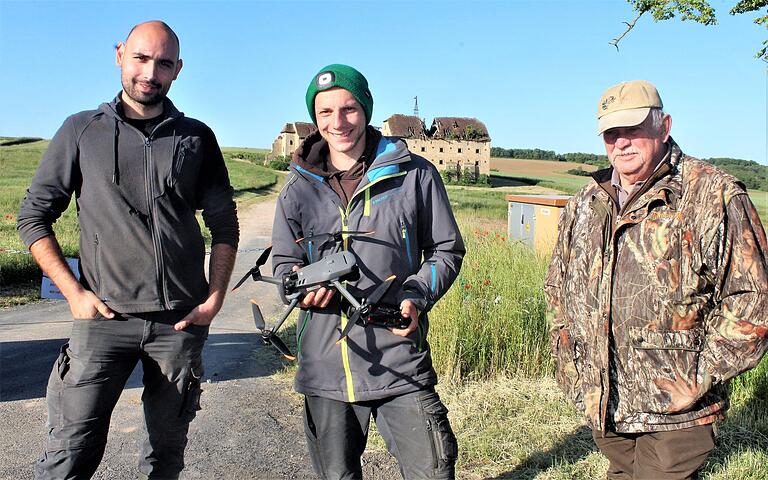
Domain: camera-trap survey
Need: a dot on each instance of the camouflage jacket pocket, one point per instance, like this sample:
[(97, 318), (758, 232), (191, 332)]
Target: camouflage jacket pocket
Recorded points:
[(644, 339), (567, 373), (664, 374)]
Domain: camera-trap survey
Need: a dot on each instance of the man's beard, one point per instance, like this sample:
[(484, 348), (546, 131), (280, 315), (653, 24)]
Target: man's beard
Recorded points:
[(148, 99)]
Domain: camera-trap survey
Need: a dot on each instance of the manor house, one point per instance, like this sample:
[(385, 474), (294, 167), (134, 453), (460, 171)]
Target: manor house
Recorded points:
[(451, 142)]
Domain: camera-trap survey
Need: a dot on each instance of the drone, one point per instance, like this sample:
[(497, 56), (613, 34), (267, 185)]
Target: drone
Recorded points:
[(330, 271)]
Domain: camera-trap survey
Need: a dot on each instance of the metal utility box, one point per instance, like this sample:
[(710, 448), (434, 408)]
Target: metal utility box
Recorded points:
[(532, 219)]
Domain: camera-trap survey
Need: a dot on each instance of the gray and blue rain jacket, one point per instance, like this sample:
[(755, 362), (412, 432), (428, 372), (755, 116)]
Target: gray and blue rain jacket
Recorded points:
[(402, 198)]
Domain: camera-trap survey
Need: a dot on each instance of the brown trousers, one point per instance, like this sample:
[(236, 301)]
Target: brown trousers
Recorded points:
[(675, 455)]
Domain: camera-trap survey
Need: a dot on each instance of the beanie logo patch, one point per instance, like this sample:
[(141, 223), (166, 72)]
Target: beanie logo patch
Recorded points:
[(325, 79)]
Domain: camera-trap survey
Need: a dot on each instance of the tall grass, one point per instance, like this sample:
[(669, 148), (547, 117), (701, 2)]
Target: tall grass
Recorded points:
[(18, 164), (492, 321)]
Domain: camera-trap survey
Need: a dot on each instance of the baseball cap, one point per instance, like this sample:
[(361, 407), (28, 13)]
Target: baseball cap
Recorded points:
[(626, 105)]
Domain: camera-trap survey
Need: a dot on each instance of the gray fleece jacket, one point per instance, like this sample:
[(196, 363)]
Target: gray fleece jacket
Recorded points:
[(402, 198), (141, 248)]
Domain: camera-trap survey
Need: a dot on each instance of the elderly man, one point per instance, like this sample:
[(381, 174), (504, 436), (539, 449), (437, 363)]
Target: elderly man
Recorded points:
[(347, 177), (658, 293), (139, 170)]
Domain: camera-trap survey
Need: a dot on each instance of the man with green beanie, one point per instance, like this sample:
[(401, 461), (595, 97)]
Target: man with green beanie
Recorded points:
[(348, 178)]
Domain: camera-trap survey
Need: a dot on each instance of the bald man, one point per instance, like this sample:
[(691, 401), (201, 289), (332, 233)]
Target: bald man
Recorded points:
[(139, 170)]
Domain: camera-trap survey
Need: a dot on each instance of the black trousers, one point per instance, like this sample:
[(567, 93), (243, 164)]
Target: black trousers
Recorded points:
[(675, 455), (414, 426), (89, 376)]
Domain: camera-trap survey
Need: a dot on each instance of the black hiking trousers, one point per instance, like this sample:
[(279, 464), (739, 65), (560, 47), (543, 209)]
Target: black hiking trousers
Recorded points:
[(414, 426), (89, 376)]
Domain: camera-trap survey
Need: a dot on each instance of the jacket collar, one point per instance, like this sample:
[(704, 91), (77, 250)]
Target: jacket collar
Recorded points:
[(115, 108), (311, 157)]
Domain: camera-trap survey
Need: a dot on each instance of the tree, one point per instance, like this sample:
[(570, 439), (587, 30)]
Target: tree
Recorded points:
[(697, 10)]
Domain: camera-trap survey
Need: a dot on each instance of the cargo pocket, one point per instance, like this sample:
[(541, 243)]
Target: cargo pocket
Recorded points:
[(61, 367), (192, 392), (676, 380), (445, 449)]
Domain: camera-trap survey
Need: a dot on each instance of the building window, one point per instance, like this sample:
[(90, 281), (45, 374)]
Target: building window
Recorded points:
[(477, 150), (423, 149), (291, 142), (459, 150), (441, 162), (441, 149), (477, 163)]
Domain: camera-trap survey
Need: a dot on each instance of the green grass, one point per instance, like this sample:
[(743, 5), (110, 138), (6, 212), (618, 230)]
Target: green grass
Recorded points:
[(565, 183), (760, 199), (19, 275), (478, 201)]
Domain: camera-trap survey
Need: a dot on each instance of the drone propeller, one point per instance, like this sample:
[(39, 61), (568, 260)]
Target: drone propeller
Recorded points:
[(268, 335), (254, 272), (322, 238), (258, 318), (367, 303)]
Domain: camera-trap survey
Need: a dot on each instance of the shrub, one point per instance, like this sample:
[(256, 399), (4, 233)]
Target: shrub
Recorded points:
[(578, 171), (279, 163)]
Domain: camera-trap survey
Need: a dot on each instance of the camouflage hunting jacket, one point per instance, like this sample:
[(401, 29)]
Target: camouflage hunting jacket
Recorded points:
[(654, 307)]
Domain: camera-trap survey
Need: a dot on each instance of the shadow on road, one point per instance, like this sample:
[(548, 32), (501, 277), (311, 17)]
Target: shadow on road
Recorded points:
[(257, 191), (26, 365)]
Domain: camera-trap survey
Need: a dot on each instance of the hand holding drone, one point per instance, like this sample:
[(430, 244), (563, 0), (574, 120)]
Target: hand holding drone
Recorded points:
[(327, 272)]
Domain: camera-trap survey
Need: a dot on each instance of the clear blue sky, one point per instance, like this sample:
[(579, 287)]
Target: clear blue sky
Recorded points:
[(531, 70)]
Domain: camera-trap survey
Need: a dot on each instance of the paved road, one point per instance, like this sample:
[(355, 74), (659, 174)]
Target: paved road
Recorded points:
[(250, 425)]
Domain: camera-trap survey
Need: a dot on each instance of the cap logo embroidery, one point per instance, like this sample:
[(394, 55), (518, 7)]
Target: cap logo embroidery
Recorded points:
[(607, 101), (324, 79)]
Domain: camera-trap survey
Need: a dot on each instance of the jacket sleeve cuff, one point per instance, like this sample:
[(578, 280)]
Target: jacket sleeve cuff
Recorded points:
[(418, 299)]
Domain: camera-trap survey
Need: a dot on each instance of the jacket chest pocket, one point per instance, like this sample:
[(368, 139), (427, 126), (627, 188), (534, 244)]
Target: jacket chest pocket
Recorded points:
[(184, 169)]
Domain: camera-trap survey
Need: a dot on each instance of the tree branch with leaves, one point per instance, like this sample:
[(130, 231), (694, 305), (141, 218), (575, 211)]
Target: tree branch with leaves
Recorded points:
[(699, 11)]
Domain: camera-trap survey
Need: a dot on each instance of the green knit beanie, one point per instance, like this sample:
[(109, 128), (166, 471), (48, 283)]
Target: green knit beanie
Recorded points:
[(343, 76)]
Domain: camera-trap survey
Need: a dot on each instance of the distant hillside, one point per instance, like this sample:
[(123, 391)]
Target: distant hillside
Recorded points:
[(538, 154), (753, 174), (8, 141)]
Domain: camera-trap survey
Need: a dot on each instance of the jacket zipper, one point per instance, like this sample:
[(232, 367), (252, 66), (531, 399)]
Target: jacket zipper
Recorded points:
[(431, 428), (343, 321), (304, 323), (176, 167), (345, 245), (97, 261), (406, 240), (150, 192)]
